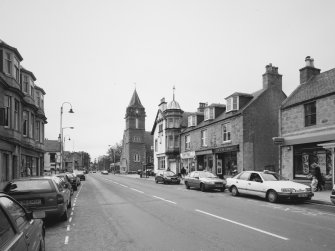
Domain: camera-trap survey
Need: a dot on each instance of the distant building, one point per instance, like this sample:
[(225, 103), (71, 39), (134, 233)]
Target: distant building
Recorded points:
[(307, 131), (22, 118), (137, 143), (51, 156)]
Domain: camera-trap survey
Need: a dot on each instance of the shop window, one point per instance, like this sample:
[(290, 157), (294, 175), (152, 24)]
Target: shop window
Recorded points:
[(307, 157), (161, 162), (310, 114)]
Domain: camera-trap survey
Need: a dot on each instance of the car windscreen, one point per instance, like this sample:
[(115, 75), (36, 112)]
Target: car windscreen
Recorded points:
[(169, 173), (206, 175), (271, 177), (31, 186)]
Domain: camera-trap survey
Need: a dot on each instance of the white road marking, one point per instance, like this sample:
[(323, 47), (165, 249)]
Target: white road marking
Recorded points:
[(74, 204), (66, 240), (68, 228), (71, 213), (164, 199), (137, 190), (70, 219), (243, 225), (123, 185)]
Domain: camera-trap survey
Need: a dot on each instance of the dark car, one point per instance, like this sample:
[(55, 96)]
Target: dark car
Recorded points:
[(204, 181), (20, 229), (67, 180), (167, 177), (75, 181), (48, 194), (80, 175)]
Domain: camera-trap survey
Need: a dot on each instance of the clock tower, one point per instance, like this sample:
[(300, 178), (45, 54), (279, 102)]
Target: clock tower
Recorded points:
[(134, 137)]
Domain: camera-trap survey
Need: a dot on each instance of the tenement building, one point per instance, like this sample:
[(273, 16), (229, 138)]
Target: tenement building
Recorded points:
[(307, 126), (137, 143), (236, 136), (22, 118)]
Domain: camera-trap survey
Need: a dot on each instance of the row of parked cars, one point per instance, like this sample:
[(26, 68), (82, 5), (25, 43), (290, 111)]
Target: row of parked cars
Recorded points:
[(25, 203), (265, 184)]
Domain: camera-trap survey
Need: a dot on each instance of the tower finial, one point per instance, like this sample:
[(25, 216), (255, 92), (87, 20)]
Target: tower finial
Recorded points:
[(135, 85), (174, 88)]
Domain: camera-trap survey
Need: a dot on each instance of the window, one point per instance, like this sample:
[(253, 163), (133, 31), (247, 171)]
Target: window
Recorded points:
[(15, 210), (7, 110), (5, 175), (136, 139), (232, 104), (16, 115), (8, 63), (16, 69), (52, 157), (136, 122), (310, 114), (187, 142), (25, 123), (32, 91), (161, 162), (170, 142), (204, 138), (31, 126), (226, 129), (192, 120), (160, 126), (137, 157), (156, 145), (7, 233), (170, 122), (25, 83), (176, 141), (38, 131), (209, 113)]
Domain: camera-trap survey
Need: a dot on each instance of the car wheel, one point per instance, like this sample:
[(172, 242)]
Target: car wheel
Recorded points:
[(234, 191), (164, 181), (272, 196), (75, 188), (156, 181), (69, 205), (187, 186), (64, 216), (178, 182), (222, 189), (202, 187)]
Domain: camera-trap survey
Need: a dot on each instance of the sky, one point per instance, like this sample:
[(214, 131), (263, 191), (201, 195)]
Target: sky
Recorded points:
[(94, 53)]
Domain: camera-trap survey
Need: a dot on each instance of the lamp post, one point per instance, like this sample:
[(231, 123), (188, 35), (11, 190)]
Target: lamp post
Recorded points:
[(61, 131)]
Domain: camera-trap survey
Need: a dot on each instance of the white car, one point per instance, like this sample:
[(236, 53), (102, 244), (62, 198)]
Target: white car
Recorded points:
[(268, 185), (104, 172)]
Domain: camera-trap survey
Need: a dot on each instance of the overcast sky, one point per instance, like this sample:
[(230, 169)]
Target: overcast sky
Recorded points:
[(91, 52)]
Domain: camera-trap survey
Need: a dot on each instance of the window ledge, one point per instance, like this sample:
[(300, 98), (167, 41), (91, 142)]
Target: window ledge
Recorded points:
[(226, 142)]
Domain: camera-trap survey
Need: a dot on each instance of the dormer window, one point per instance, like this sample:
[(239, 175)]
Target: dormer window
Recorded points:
[(232, 104), (192, 120), (209, 113), (25, 83), (8, 63)]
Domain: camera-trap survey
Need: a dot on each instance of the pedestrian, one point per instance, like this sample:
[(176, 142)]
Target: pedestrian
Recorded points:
[(319, 177), (314, 184), (183, 172)]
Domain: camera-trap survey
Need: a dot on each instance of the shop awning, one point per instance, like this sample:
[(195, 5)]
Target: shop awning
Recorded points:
[(318, 136), (204, 152), (187, 155)]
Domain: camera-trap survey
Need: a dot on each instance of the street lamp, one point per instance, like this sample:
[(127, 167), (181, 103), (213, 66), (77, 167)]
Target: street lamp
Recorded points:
[(61, 131)]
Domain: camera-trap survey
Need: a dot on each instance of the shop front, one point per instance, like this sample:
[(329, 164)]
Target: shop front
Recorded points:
[(226, 159), (205, 160), (188, 161)]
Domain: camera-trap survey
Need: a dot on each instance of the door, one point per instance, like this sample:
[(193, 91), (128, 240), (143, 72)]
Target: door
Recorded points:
[(241, 182), (173, 166), (255, 185)]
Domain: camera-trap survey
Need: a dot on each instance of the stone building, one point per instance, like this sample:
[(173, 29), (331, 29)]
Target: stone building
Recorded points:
[(307, 126), (137, 143), (236, 136), (22, 118), (51, 156)]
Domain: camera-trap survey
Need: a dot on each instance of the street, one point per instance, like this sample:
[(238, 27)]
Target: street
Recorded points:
[(116, 212)]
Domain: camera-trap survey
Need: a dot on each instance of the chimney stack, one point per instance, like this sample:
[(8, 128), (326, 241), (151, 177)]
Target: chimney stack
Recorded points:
[(201, 107), (271, 77), (308, 71)]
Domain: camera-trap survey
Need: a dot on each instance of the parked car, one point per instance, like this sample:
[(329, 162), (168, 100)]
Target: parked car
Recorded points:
[(104, 172), (167, 177), (20, 229), (268, 185), (74, 180), (204, 180), (49, 194), (80, 175), (66, 179), (150, 172), (332, 195)]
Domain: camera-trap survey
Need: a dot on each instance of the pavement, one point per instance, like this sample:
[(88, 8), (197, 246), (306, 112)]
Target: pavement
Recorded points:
[(320, 197)]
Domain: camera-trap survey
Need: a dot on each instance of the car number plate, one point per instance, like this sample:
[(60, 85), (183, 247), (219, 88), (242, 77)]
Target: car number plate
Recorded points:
[(302, 195), (218, 185), (30, 202)]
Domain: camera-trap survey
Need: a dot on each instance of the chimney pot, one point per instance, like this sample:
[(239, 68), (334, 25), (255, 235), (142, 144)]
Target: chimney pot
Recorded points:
[(309, 61), (308, 71)]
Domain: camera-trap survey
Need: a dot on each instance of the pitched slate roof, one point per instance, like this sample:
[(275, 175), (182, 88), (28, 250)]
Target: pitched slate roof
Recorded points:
[(318, 86), (135, 101), (51, 146)]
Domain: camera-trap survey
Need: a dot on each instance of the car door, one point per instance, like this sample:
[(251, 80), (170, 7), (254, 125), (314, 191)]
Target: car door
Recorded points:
[(255, 185), (241, 182), (196, 180), (27, 229)]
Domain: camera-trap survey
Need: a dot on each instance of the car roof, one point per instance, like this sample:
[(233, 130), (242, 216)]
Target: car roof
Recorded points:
[(34, 178)]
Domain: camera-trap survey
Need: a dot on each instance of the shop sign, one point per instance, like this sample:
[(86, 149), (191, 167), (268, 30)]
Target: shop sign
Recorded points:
[(187, 155), (234, 148)]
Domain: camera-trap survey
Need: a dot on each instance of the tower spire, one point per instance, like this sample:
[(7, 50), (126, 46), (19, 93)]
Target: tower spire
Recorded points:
[(174, 88)]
